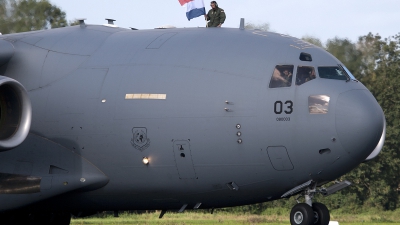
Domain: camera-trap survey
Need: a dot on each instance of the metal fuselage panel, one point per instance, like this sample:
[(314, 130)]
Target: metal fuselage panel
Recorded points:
[(88, 86)]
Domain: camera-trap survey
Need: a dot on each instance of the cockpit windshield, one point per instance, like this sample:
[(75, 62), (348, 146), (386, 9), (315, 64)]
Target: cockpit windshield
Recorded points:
[(332, 72)]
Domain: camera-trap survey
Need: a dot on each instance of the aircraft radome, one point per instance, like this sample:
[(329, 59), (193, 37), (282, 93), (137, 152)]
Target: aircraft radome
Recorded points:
[(97, 118)]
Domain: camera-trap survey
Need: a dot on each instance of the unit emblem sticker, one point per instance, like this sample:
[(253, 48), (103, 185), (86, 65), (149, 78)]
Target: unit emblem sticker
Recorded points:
[(140, 140)]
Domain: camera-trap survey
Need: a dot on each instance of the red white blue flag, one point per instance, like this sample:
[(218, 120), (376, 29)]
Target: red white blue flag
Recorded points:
[(194, 8)]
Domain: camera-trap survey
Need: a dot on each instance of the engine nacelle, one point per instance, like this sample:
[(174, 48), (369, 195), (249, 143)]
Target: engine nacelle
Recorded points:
[(6, 52), (15, 113)]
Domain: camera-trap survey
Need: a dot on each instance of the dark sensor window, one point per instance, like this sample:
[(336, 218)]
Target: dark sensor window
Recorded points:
[(305, 57)]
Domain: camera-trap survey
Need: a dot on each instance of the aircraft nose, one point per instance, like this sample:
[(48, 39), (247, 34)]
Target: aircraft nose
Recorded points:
[(359, 123)]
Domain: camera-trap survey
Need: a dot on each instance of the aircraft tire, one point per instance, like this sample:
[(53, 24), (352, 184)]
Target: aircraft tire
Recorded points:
[(302, 214), (322, 216)]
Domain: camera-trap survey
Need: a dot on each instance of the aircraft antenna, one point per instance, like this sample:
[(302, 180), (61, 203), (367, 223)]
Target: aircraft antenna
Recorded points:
[(82, 22), (241, 24), (110, 21)]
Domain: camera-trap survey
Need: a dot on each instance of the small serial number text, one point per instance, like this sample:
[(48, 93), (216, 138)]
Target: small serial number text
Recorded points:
[(283, 119)]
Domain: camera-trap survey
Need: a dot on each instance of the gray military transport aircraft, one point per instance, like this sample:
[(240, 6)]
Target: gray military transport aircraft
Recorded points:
[(100, 118)]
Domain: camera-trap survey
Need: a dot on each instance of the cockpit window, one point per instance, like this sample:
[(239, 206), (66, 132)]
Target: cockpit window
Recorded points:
[(282, 76), (332, 72), (304, 74)]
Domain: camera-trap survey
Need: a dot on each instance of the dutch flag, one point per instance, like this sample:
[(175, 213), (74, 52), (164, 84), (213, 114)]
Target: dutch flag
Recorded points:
[(195, 8)]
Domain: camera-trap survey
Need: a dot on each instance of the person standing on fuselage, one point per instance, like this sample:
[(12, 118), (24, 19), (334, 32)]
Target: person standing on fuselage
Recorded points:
[(216, 16)]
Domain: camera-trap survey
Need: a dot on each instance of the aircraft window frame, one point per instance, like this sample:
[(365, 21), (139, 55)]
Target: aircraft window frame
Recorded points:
[(335, 77), (347, 71), (278, 79), (305, 77)]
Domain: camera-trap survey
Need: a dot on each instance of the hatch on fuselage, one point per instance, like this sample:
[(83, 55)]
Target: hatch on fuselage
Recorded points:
[(183, 159)]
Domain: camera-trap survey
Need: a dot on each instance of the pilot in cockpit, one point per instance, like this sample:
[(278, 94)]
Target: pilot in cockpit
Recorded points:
[(286, 73), (287, 77), (311, 75), (301, 78), (305, 74), (282, 76)]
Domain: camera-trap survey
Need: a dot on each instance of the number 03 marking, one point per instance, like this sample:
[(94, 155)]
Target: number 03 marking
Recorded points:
[(278, 107), (289, 107)]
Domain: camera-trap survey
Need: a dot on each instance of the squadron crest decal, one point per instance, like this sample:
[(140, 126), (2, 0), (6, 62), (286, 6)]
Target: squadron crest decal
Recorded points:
[(140, 140)]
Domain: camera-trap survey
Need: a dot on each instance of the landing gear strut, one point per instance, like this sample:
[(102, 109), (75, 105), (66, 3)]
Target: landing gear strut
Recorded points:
[(309, 213)]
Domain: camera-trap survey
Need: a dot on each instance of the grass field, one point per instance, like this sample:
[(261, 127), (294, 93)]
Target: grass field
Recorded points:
[(280, 217)]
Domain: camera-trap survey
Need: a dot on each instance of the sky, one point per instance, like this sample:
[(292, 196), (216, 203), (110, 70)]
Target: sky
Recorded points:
[(322, 19)]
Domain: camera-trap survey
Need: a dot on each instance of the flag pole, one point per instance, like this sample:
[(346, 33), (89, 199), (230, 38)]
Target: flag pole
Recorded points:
[(205, 15)]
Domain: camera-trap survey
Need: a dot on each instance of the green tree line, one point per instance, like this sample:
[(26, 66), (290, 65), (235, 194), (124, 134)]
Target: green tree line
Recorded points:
[(29, 15), (375, 61)]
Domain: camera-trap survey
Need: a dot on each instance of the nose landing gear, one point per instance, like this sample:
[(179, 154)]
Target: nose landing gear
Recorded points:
[(309, 213)]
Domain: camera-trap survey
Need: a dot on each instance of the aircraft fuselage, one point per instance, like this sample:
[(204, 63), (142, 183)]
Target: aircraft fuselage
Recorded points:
[(197, 103)]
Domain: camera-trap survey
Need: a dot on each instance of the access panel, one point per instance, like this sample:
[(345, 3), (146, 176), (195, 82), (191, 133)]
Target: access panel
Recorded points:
[(183, 160), (279, 158), (159, 41)]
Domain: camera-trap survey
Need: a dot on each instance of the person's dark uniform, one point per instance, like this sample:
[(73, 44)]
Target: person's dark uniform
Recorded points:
[(216, 16)]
